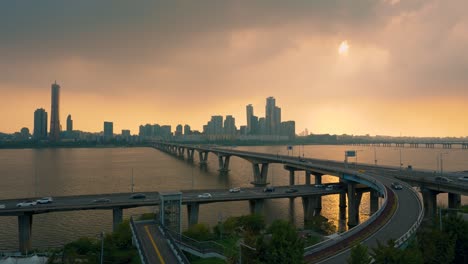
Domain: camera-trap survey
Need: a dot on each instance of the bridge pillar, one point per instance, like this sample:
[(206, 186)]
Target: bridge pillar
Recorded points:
[(192, 213), (203, 155), (25, 231), (180, 151), (311, 206), (260, 174), (454, 200), (307, 177), (223, 161), (354, 200), (291, 176), (430, 203), (256, 206), (343, 207), (318, 180), (190, 154), (117, 218), (374, 201)]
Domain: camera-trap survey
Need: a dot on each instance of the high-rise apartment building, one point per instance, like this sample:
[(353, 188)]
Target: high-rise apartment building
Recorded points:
[(108, 130), (272, 117), (40, 124), (230, 125), (187, 130), (54, 134), (69, 124), (178, 131), (249, 110)]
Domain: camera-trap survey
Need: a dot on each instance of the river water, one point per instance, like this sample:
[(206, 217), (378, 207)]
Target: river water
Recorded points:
[(69, 171)]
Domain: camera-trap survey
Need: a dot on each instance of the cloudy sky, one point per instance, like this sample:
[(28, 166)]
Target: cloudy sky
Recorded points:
[(382, 67)]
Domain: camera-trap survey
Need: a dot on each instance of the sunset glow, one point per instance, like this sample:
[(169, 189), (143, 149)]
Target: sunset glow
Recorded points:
[(343, 48)]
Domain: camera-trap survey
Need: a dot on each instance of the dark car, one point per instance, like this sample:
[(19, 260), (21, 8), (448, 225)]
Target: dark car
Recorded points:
[(269, 189), (138, 196), (397, 186), (291, 190)]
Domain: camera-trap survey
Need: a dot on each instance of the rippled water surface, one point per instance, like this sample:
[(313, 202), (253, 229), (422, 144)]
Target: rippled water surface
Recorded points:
[(58, 172)]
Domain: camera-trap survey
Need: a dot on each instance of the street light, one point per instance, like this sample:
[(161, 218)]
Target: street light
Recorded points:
[(441, 161), (102, 247)]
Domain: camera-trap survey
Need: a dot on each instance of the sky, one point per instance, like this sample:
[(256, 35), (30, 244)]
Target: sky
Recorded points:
[(378, 67)]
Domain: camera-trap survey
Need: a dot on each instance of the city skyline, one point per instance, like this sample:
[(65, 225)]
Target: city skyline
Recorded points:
[(387, 67)]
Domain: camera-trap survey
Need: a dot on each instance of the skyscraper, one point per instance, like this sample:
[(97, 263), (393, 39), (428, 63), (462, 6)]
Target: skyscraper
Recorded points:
[(230, 125), (108, 130), (249, 110), (69, 124), (54, 113), (40, 124)]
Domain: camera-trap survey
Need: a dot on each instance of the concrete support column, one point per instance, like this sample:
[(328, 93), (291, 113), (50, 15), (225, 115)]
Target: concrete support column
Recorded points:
[(342, 206), (256, 206), (311, 206), (25, 231), (192, 213), (318, 178), (190, 154), (291, 176), (374, 201), (307, 177), (430, 203), (117, 218), (223, 163), (454, 200), (180, 151), (354, 200), (260, 173), (203, 155)]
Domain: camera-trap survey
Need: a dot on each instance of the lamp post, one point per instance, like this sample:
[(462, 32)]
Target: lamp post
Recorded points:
[(102, 247), (375, 156)]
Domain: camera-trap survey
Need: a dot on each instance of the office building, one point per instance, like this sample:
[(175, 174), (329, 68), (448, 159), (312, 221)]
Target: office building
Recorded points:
[(272, 117), (54, 134), (40, 124), (249, 110), (187, 130), (69, 124), (108, 130), (178, 131), (230, 125)]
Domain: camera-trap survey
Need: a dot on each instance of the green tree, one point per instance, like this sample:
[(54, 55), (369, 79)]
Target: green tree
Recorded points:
[(199, 231), (283, 245), (457, 229), (436, 246), (359, 255), (253, 223)]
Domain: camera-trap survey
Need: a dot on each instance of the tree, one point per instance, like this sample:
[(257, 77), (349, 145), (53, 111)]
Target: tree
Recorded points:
[(282, 246), (457, 229), (436, 246), (199, 231), (359, 255)]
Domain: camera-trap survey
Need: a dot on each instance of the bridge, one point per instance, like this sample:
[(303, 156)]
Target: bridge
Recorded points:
[(353, 181), (412, 144)]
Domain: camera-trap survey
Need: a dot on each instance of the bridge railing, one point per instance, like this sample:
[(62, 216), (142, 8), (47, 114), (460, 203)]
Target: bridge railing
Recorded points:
[(137, 241), (327, 243), (172, 244), (399, 242)]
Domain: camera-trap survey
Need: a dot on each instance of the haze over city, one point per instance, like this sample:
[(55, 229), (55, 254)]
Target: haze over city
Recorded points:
[(384, 67)]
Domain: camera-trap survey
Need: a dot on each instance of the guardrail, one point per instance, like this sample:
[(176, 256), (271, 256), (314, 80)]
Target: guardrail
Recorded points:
[(137, 241), (327, 243), (400, 241), (172, 244)]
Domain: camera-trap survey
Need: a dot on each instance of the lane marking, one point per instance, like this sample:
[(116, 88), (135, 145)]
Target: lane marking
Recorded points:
[(154, 245)]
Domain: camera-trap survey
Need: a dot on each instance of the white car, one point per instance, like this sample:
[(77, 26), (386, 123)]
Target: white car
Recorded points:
[(45, 200), (464, 178), (26, 204), (204, 195), (234, 190), (2, 206)]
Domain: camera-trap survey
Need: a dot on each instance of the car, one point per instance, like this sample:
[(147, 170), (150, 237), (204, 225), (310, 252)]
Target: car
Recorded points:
[(361, 171), (291, 190), (464, 178), (26, 204), (101, 200), (204, 195), (269, 189), (396, 186), (329, 188), (138, 196), (319, 186), (2, 206), (302, 159), (45, 200), (442, 179), (234, 190)]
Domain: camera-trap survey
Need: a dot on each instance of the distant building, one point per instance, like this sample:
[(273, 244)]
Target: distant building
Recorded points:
[(262, 126), (55, 127), (230, 125), (178, 131), (249, 111), (126, 134), (272, 117), (40, 124), (69, 124), (108, 130), (166, 132), (24, 133), (187, 130), (288, 129)]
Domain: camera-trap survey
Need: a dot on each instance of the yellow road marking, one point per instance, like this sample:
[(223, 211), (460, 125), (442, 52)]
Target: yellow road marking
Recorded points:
[(154, 245)]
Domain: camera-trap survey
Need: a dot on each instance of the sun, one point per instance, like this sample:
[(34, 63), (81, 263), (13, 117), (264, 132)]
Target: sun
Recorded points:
[(343, 48)]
